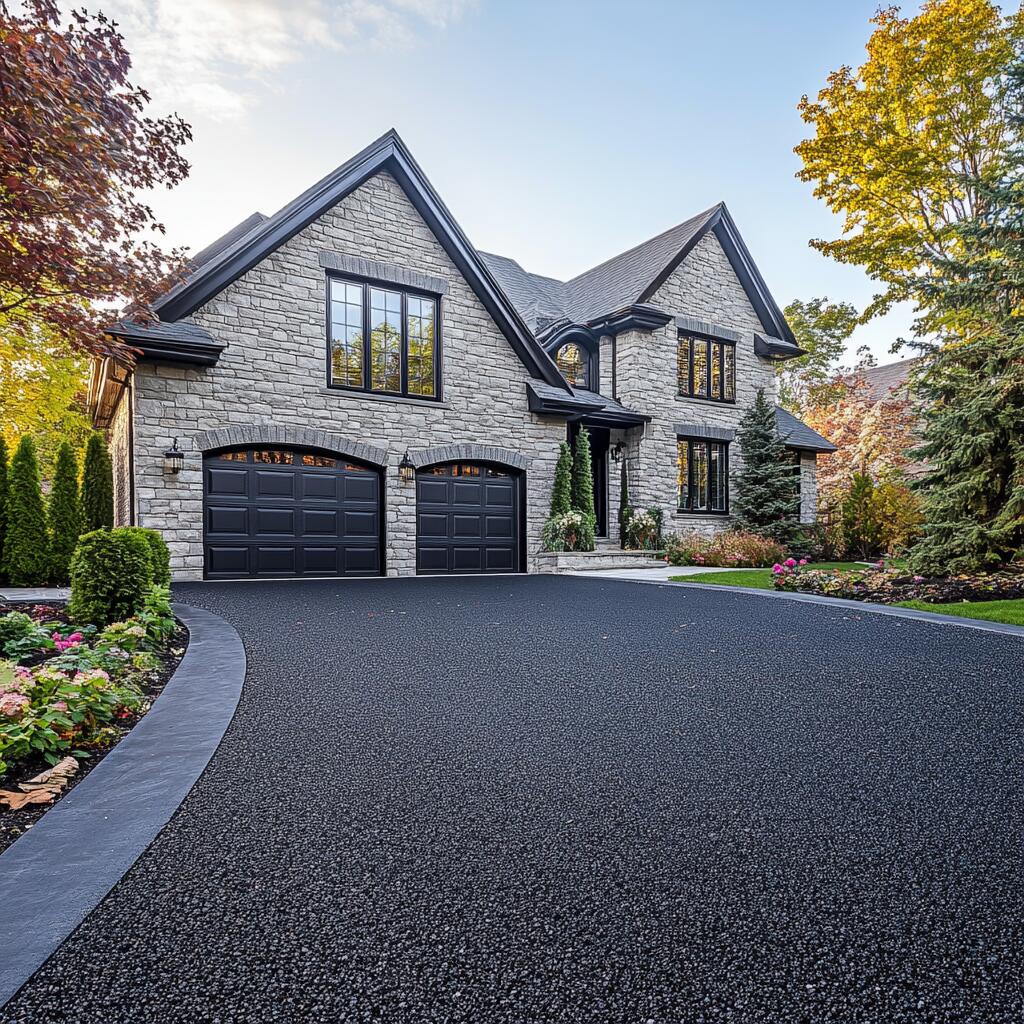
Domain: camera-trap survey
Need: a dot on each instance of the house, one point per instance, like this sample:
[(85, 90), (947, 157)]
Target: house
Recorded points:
[(354, 389)]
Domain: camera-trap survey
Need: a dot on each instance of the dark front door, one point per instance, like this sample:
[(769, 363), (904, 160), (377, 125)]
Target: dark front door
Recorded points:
[(468, 519), (276, 512), (599, 443)]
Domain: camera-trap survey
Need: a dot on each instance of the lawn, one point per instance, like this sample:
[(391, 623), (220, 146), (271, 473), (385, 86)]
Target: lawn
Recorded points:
[(994, 611), (759, 579)]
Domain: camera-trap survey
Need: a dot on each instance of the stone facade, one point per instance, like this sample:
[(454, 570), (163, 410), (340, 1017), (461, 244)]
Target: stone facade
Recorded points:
[(120, 445), (706, 287), (272, 377)]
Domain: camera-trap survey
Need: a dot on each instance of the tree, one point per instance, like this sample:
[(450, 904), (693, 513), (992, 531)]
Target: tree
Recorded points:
[(26, 545), (862, 530), (65, 514), (3, 500), (561, 495), (625, 509), (821, 329), (901, 143), (76, 150), (583, 484), (97, 486), (767, 488)]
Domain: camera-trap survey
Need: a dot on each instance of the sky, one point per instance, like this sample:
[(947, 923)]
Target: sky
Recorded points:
[(558, 133)]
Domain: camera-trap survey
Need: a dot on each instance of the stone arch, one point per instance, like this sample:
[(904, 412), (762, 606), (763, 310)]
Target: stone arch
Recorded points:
[(467, 452), (242, 434)]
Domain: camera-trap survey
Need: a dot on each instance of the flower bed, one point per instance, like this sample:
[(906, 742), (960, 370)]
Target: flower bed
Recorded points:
[(891, 585), (74, 689), (732, 549)]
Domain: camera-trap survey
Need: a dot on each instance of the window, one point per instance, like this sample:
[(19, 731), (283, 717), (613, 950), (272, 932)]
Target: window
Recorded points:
[(382, 340), (702, 476), (706, 369), (572, 363)]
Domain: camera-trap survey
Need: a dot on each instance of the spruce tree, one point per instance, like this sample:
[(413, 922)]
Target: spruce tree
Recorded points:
[(26, 555), (561, 495), (65, 513), (97, 486), (862, 529), (766, 489), (3, 500), (583, 488)]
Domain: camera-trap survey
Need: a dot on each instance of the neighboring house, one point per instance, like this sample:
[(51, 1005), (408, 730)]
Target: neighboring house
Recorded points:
[(313, 446), (888, 381)]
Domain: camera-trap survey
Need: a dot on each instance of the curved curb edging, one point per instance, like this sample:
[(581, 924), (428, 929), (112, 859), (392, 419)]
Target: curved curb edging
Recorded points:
[(864, 606), (54, 875)]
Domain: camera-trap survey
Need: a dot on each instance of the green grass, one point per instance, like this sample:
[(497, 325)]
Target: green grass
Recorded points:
[(759, 579), (993, 611)]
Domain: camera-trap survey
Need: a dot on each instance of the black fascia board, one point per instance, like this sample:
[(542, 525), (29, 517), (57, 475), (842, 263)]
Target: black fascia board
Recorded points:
[(775, 349), (186, 352), (387, 153), (638, 316)]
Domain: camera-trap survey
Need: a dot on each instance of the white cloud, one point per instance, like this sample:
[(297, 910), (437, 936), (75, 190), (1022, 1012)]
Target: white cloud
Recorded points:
[(211, 56)]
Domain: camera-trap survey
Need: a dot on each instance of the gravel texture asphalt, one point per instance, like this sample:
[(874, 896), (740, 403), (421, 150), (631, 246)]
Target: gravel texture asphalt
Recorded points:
[(556, 799)]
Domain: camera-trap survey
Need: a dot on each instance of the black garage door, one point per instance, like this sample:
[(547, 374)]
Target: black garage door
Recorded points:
[(289, 512), (467, 519)]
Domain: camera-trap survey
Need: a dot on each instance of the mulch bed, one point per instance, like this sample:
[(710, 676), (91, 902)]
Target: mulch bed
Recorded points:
[(14, 823)]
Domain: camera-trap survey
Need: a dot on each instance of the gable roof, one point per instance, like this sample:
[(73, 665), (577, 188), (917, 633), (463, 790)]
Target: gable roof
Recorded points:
[(633, 277), (244, 249), (796, 434), (888, 380)]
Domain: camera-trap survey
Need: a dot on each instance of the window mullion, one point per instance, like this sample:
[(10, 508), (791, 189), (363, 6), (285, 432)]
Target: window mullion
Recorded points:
[(403, 374), (367, 348)]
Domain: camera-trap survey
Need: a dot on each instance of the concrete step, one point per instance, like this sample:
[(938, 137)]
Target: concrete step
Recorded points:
[(601, 558)]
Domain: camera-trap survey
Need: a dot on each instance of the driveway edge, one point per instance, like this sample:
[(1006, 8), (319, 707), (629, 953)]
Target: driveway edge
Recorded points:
[(54, 875)]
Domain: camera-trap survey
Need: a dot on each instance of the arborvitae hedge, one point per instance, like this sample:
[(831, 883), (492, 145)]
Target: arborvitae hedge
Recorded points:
[(97, 486), (624, 507), (583, 486), (3, 501), (561, 496), (65, 514), (26, 544)]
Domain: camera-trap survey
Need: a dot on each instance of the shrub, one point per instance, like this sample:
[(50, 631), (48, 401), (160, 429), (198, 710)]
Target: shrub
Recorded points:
[(625, 509), (862, 526), (160, 556), (733, 549), (583, 488), (111, 570), (811, 541), (3, 501), (642, 529), (561, 495), (26, 557), (65, 514), (97, 485), (568, 532)]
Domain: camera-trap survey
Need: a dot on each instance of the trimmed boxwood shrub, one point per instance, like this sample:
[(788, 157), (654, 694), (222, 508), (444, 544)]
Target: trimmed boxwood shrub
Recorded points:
[(158, 551), (111, 572)]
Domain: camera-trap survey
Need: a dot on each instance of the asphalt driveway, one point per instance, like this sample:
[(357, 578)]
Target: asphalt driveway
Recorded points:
[(558, 799)]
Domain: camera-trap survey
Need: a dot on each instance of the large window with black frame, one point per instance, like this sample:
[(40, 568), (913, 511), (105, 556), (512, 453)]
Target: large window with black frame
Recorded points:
[(702, 476), (706, 368), (382, 339)]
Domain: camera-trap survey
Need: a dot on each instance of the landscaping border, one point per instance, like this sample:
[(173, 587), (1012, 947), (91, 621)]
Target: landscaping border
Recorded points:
[(54, 875), (844, 602)]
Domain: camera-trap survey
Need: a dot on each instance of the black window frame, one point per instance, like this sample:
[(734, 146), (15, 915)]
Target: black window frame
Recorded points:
[(366, 284), (707, 444), (712, 345)]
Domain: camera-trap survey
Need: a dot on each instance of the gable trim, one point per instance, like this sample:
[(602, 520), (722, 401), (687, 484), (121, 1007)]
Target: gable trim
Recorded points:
[(736, 251), (388, 153)]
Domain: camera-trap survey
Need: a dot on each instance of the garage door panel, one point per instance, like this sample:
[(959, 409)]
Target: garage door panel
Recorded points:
[(433, 524), (500, 495), (431, 559), (432, 491), (466, 559), (466, 526), (289, 513), (498, 559), (466, 493), (499, 527)]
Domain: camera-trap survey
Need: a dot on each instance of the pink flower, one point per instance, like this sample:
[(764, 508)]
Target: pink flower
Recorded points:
[(59, 705), (803, 561), (12, 704), (62, 643), (919, 579), (881, 563), (776, 568), (790, 562)]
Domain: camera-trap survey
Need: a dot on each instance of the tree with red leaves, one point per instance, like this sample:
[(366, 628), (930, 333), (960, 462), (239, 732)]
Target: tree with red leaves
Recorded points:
[(76, 151)]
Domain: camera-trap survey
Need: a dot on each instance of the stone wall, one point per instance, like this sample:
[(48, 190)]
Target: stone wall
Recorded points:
[(808, 487), (119, 442), (273, 374)]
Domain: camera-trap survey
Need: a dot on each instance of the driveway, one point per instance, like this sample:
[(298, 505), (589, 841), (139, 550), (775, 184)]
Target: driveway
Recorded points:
[(548, 799)]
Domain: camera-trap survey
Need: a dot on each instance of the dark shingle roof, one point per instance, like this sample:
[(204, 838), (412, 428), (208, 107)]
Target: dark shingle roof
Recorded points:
[(797, 434), (883, 381), (537, 298), (229, 238)]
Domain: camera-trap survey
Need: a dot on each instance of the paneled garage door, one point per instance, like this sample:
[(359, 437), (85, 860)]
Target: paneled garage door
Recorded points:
[(289, 512), (467, 519)]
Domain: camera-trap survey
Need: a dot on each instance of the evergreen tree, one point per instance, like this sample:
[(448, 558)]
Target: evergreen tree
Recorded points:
[(3, 500), (583, 488), (766, 489), (972, 387), (625, 509), (65, 513), (26, 556), (97, 486), (862, 529), (561, 496)]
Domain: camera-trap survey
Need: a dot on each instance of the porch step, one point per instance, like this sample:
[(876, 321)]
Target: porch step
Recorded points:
[(604, 557)]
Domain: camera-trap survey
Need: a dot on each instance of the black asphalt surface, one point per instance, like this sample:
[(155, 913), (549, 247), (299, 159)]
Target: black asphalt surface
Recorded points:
[(555, 799)]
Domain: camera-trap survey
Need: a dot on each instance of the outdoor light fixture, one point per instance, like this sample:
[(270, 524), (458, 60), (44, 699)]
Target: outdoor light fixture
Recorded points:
[(174, 458), (406, 470), (617, 449)]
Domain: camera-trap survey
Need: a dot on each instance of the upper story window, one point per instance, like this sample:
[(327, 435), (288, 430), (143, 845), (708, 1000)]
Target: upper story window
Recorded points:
[(572, 362), (702, 476), (382, 339), (706, 368)]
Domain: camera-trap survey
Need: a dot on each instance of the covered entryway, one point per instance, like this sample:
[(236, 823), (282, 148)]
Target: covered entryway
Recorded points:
[(468, 519), (280, 511)]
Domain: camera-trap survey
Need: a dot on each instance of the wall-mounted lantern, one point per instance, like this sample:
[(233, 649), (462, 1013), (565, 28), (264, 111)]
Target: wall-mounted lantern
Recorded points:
[(406, 469), (174, 459), (617, 449)]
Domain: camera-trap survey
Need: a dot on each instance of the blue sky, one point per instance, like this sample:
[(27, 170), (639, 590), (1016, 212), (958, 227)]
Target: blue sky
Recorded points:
[(558, 133)]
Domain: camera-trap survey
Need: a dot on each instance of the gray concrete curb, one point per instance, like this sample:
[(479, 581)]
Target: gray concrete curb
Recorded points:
[(842, 602), (56, 874)]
